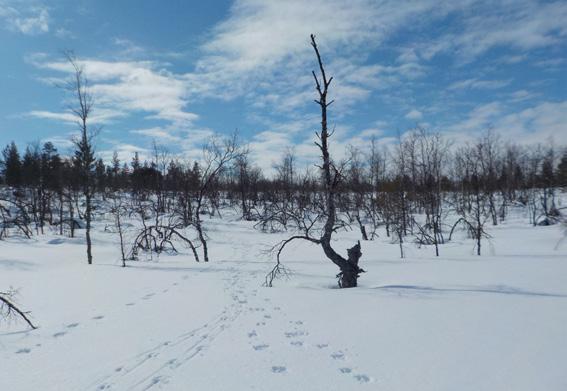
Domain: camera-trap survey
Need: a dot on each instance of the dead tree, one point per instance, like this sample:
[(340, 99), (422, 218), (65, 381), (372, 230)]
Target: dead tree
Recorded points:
[(331, 177), (216, 157), (472, 205), (9, 310), (118, 209), (84, 149), (13, 214)]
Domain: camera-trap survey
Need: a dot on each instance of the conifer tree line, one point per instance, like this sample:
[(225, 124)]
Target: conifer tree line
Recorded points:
[(409, 189)]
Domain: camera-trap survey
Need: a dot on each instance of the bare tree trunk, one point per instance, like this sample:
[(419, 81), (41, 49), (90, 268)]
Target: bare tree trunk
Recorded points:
[(349, 267), (84, 152), (88, 227)]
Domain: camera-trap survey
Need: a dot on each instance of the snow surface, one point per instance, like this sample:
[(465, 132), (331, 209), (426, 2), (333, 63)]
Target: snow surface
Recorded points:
[(458, 322)]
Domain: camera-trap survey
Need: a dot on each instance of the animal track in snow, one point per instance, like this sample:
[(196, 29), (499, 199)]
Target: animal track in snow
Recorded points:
[(261, 347), (298, 333), (338, 356), (23, 351), (98, 317), (278, 369), (72, 325), (362, 378), (322, 345), (252, 334), (59, 334), (345, 370), (296, 343)]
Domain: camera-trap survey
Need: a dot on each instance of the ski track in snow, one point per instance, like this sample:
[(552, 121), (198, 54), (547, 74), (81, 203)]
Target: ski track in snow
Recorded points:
[(155, 366)]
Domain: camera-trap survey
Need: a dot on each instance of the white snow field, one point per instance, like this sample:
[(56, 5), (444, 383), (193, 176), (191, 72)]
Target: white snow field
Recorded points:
[(457, 322)]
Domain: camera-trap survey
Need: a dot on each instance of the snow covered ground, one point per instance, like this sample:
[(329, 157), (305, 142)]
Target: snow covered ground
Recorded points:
[(458, 322)]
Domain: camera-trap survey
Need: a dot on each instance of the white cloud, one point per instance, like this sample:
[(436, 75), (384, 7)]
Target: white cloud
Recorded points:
[(414, 115), (480, 118), (99, 116), (477, 84), (156, 133), (540, 123), (24, 18), (63, 33), (519, 24), (122, 88), (31, 25), (263, 49), (522, 95), (63, 117)]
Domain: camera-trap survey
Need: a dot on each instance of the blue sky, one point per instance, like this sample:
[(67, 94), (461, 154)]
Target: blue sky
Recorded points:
[(178, 72)]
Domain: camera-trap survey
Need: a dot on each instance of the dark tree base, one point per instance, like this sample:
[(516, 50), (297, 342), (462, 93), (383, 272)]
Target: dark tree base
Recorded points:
[(348, 277)]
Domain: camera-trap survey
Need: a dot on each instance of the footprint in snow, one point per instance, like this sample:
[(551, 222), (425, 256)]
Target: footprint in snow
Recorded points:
[(338, 356), (23, 351), (362, 378), (268, 316), (296, 343), (322, 345), (278, 369), (130, 304), (252, 334), (292, 334), (261, 347), (59, 334), (154, 381), (172, 362), (98, 317), (345, 370), (72, 325)]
